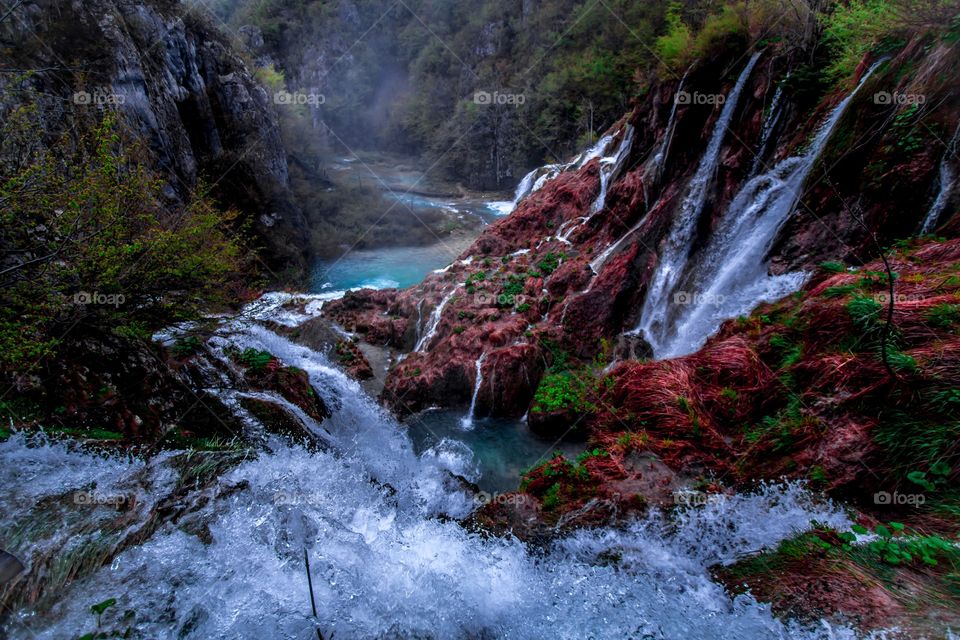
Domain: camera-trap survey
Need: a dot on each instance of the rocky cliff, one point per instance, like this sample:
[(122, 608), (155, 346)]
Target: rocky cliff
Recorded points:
[(562, 280), (182, 89)]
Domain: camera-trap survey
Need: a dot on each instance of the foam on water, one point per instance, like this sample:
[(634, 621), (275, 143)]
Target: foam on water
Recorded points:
[(385, 563)]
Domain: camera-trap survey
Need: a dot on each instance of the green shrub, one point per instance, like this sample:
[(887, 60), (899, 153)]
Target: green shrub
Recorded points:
[(944, 316), (549, 263), (111, 258)]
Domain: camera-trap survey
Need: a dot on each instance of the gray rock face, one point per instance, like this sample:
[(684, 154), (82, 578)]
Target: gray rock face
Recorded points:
[(181, 86)]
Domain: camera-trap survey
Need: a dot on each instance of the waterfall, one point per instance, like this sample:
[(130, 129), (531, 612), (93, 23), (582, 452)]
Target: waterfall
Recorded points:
[(947, 179), (435, 316), (729, 278), (536, 179), (467, 422), (677, 245), (419, 328), (610, 168), (663, 153), (769, 124)]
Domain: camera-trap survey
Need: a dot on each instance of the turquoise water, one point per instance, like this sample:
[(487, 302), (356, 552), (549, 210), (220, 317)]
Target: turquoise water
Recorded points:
[(502, 448), (385, 268), (403, 267)]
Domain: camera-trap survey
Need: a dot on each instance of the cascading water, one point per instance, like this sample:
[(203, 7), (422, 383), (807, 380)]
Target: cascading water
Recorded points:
[(610, 168), (769, 125), (435, 316), (663, 153), (388, 560), (536, 179), (467, 422), (675, 249), (729, 277), (947, 179)]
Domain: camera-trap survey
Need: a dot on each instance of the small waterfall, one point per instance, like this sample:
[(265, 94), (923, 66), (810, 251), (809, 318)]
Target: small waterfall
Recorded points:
[(424, 342), (947, 181), (467, 422), (730, 277), (660, 158), (610, 168), (768, 127), (674, 253), (536, 179), (525, 187), (419, 329)]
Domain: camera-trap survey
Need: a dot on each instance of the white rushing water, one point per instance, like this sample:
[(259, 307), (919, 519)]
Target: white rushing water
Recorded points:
[(384, 566), (388, 558), (947, 179), (676, 247), (769, 125), (467, 422), (536, 179), (435, 316), (692, 296)]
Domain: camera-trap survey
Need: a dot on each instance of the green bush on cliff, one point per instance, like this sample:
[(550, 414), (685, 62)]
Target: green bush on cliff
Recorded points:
[(89, 247), (854, 28)]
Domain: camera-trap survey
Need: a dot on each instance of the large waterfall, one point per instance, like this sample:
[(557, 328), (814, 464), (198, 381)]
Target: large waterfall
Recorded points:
[(692, 295), (388, 557)]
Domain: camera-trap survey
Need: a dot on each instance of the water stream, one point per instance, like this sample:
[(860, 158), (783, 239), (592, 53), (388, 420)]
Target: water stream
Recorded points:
[(693, 295), (676, 247), (467, 421), (947, 179)]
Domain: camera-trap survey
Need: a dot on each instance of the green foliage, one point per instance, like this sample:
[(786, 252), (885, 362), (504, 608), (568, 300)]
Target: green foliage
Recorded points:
[(856, 27), (562, 392), (674, 47), (255, 359), (551, 499), (186, 346), (104, 255), (833, 267), (840, 291), (512, 287), (895, 548), (865, 313), (943, 316), (549, 263)]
